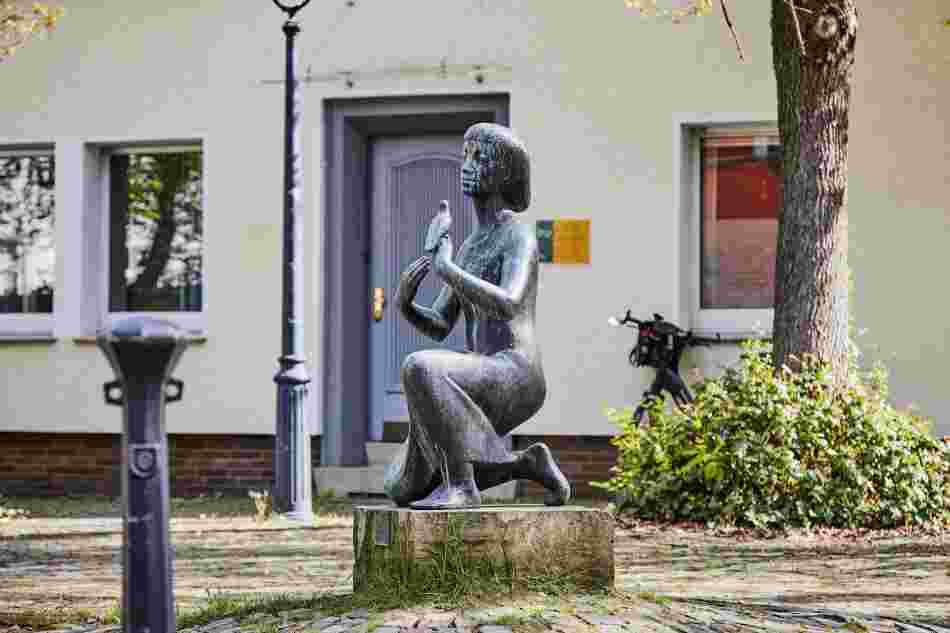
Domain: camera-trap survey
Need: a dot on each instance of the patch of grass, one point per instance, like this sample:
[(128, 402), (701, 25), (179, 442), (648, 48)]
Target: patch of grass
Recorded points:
[(325, 505), (217, 606), (450, 577), (113, 615), (8, 512), (651, 596), (220, 606), (67, 506), (327, 501), (54, 617), (98, 506), (255, 611), (521, 617), (374, 623), (212, 506), (510, 619), (600, 602)]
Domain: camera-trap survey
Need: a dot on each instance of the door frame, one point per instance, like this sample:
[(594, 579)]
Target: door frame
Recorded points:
[(349, 125)]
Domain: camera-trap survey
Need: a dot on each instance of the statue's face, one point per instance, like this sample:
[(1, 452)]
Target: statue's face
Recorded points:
[(479, 168)]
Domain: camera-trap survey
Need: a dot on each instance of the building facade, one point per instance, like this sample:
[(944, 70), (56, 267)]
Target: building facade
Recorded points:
[(142, 152)]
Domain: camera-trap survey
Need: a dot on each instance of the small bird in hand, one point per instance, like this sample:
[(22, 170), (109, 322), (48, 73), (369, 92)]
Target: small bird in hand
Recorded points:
[(438, 228)]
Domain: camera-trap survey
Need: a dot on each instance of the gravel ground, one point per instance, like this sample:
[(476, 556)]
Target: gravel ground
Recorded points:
[(672, 578)]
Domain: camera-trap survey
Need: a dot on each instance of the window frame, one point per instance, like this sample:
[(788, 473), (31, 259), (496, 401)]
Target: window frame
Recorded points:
[(36, 325), (193, 322), (730, 323)]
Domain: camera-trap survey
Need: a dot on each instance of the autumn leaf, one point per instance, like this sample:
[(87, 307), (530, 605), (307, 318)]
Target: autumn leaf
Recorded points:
[(19, 24), (678, 12)]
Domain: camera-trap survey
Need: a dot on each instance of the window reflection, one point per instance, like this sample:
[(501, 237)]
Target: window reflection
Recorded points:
[(27, 240), (741, 199), (156, 235)]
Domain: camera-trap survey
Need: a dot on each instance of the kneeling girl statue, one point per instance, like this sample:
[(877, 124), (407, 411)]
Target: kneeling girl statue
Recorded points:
[(461, 405)]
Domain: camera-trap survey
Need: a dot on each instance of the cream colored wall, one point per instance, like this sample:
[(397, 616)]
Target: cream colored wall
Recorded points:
[(900, 200), (593, 92)]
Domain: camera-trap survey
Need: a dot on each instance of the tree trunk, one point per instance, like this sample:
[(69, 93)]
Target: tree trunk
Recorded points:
[(814, 94), (172, 175)]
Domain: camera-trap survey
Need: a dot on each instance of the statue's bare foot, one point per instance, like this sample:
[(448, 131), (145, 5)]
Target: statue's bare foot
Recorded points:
[(546, 472), (462, 494)]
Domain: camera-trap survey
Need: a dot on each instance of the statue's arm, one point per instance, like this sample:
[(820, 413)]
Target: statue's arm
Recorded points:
[(435, 322), (518, 274)]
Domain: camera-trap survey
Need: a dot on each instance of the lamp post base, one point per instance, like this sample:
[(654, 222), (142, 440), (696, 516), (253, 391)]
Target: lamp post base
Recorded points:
[(292, 467)]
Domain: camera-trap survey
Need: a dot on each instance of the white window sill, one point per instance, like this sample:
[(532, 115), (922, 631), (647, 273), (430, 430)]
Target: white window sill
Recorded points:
[(27, 338), (26, 327), (731, 338), (733, 325)]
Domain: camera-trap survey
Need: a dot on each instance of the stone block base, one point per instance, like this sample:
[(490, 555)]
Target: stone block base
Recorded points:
[(522, 544)]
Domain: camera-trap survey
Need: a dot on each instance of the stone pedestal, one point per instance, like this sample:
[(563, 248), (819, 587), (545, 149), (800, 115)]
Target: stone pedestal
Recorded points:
[(523, 544)]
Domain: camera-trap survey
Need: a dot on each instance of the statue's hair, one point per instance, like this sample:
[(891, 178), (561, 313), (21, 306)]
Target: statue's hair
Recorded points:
[(513, 161)]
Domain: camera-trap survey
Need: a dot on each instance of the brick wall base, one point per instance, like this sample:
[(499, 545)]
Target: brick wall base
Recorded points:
[(59, 463), (88, 463)]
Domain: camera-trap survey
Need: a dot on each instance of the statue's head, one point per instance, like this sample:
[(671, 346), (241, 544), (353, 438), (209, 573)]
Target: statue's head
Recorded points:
[(496, 161)]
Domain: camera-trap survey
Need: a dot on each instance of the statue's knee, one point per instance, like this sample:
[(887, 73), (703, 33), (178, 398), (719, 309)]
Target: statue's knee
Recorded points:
[(417, 369)]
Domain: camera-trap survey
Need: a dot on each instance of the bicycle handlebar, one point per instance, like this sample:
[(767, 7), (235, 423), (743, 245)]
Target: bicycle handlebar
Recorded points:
[(628, 318), (663, 324)]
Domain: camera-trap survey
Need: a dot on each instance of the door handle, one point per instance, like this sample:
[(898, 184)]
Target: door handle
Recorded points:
[(379, 303)]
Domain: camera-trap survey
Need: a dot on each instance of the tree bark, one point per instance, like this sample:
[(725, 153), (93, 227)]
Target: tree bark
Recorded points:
[(814, 95)]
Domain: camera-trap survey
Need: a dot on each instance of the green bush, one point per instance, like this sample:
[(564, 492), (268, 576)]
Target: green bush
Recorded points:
[(783, 449)]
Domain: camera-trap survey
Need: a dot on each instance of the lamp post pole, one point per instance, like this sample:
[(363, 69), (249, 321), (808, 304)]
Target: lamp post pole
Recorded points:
[(292, 490)]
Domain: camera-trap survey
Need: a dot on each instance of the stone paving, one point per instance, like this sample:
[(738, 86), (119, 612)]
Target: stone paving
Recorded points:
[(644, 617), (669, 580)]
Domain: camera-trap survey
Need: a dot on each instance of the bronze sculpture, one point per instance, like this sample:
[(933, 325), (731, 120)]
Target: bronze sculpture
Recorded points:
[(461, 405)]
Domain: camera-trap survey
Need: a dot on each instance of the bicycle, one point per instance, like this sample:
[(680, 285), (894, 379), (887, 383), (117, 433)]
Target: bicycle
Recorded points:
[(660, 345)]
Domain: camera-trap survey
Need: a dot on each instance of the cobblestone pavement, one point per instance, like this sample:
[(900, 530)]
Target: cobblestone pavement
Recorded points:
[(672, 580)]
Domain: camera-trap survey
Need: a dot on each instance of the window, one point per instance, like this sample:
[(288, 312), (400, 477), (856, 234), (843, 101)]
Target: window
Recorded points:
[(741, 194), (27, 234), (155, 225), (729, 198)]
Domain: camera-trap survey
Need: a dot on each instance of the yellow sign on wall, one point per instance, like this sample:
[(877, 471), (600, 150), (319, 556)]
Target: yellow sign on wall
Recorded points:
[(572, 241), (564, 241)]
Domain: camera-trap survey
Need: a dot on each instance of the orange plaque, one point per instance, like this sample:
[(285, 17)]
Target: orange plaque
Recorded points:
[(571, 242)]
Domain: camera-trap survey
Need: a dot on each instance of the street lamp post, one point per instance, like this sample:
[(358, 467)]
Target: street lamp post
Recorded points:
[(292, 467)]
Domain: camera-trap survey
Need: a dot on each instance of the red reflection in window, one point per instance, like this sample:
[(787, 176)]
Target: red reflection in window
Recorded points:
[(742, 193)]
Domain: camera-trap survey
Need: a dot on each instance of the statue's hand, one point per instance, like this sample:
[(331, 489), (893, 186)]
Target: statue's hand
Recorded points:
[(410, 280), (442, 256)]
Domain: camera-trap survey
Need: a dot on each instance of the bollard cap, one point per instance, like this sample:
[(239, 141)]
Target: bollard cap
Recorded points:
[(141, 327), (141, 348)]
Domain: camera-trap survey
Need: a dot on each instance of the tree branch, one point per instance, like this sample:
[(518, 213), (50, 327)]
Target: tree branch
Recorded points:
[(798, 26), (732, 29)]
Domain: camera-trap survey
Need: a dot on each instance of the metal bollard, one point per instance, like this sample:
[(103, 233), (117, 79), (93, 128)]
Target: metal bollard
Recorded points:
[(143, 352)]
